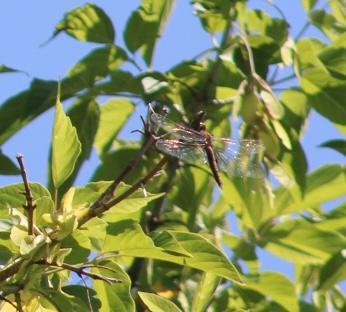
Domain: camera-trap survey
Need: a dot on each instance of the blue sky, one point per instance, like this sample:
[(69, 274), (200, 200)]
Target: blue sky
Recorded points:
[(26, 25)]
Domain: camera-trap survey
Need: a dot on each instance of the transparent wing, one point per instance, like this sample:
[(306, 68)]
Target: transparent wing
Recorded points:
[(187, 151), (175, 130), (239, 157)]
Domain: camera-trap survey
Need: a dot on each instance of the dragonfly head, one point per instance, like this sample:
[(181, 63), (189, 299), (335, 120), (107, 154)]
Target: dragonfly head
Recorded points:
[(197, 122)]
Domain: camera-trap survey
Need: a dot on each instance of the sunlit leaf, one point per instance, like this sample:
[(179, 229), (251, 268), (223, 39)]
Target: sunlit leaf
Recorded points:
[(302, 242), (87, 23), (128, 239), (276, 286), (327, 23), (145, 26), (205, 292), (323, 184), (115, 295), (114, 113), (65, 146), (213, 15), (94, 66), (333, 271), (12, 196), (84, 115), (156, 303), (61, 300), (308, 4)]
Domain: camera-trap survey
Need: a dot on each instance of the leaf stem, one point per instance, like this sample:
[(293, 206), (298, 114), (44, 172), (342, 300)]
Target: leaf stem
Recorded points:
[(29, 206)]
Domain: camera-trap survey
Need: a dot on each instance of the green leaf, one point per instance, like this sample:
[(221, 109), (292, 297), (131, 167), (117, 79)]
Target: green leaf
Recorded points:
[(87, 23), (65, 146), (214, 15), (22, 108), (61, 300), (204, 292), (282, 134), (44, 205), (85, 196), (324, 184), (95, 230), (84, 115), (114, 114), (296, 107), (337, 145), (277, 287), (308, 4), (7, 167), (128, 239), (78, 243), (249, 199), (303, 242), (83, 293), (117, 295), (327, 23), (94, 66), (6, 69), (333, 59), (272, 104), (333, 271), (146, 25), (156, 303), (12, 196)]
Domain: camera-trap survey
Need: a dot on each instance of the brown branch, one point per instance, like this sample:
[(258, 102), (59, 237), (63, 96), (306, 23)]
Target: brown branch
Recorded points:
[(11, 269), (9, 302), (29, 206), (108, 193), (104, 206), (79, 270), (18, 301)]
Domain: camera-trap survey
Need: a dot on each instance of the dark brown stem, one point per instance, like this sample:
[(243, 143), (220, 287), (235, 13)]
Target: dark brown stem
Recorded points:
[(29, 206), (103, 205), (18, 301), (108, 193), (79, 270), (9, 302)]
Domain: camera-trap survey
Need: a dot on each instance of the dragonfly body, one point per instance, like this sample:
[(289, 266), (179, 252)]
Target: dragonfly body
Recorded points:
[(196, 145)]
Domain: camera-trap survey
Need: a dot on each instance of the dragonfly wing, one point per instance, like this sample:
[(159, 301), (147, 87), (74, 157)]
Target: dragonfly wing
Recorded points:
[(186, 151), (239, 157), (175, 130)]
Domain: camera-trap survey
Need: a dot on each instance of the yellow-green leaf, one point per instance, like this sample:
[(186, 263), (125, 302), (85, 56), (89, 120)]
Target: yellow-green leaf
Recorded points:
[(156, 303), (65, 146), (87, 23)]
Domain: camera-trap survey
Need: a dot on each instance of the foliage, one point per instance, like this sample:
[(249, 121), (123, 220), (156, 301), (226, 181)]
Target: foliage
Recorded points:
[(170, 249)]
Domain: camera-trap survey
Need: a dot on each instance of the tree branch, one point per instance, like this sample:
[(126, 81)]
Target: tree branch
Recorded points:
[(18, 301), (29, 206), (9, 302)]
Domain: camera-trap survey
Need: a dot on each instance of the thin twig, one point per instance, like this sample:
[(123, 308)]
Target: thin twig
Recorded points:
[(79, 270), (8, 301), (108, 193), (18, 301), (29, 206), (88, 294)]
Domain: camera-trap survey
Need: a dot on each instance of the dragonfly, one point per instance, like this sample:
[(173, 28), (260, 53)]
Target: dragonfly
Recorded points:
[(196, 146)]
